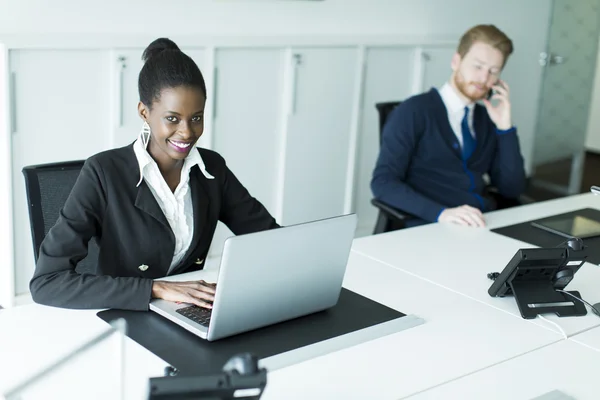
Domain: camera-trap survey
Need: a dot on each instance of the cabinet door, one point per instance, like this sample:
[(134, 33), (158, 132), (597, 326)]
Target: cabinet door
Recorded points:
[(388, 77), (125, 67), (62, 111), (436, 66), (247, 122), (323, 88)]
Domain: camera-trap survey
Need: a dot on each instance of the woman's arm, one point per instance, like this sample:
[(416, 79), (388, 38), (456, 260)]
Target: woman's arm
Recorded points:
[(55, 281), (241, 212)]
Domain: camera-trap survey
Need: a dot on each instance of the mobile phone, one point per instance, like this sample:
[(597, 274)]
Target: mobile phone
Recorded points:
[(492, 91)]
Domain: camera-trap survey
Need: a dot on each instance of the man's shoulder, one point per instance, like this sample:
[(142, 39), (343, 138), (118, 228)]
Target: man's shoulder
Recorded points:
[(425, 101)]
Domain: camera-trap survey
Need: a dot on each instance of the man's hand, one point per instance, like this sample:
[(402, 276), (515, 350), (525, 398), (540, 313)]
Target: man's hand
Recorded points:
[(199, 293), (463, 215), (500, 114)]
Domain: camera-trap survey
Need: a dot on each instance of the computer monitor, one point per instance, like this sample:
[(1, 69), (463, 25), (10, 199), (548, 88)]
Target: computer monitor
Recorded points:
[(533, 277)]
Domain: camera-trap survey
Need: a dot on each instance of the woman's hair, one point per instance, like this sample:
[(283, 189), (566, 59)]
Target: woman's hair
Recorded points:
[(165, 66)]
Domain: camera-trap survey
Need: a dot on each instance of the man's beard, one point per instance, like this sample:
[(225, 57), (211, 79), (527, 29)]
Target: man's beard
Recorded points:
[(465, 87)]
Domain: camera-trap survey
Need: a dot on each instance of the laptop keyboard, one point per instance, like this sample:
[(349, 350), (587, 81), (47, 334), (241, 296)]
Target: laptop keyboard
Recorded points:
[(197, 314)]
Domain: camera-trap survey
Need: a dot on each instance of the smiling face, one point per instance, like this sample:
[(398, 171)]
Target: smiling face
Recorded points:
[(476, 72), (176, 121)]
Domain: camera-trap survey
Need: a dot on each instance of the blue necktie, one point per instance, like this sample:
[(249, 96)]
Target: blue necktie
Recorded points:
[(469, 142)]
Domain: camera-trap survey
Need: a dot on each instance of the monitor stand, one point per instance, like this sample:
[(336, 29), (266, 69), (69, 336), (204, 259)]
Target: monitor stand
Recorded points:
[(539, 297)]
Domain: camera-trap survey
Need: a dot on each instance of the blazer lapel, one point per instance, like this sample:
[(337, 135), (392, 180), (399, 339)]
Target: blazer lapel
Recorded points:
[(446, 131), (200, 205), (146, 202)]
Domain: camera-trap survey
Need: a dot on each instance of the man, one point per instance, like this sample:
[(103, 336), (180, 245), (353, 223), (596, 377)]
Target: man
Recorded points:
[(438, 146)]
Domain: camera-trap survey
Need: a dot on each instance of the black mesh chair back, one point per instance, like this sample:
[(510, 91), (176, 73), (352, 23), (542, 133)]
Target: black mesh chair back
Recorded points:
[(384, 109), (48, 186), (389, 218)]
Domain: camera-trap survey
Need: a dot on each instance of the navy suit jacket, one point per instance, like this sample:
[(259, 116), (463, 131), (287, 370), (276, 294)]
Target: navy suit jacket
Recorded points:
[(420, 168)]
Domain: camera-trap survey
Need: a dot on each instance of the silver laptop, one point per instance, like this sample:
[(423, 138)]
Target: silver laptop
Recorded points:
[(271, 276)]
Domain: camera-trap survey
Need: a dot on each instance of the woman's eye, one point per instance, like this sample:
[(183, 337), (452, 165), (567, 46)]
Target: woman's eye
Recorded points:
[(172, 119), (197, 119)]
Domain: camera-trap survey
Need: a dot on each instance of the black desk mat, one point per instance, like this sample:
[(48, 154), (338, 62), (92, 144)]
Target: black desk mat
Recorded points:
[(530, 234), (192, 355)]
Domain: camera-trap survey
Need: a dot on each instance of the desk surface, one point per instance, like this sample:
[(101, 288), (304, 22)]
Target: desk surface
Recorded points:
[(460, 336), (34, 336), (458, 259), (565, 366), (421, 273), (589, 338), (516, 215)]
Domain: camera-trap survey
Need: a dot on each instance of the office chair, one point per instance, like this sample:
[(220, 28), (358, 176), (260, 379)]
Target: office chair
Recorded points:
[(390, 218), (47, 187)]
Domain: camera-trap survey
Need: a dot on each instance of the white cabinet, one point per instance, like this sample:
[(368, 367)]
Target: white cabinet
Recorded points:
[(388, 75), (247, 124), (247, 118), (125, 66), (297, 125), (436, 66), (61, 113), (323, 88)]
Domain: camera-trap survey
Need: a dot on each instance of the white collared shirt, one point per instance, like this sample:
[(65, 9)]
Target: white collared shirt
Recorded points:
[(456, 111), (177, 206)]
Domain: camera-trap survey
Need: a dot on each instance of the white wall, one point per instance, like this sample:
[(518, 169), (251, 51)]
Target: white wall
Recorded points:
[(109, 23), (525, 22), (6, 275), (266, 17), (593, 128)]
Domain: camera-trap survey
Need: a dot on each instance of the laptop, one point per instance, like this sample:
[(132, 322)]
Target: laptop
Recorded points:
[(269, 277)]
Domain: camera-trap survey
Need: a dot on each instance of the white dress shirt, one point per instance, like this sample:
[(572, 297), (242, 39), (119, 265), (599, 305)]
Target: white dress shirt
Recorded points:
[(456, 111), (177, 206)]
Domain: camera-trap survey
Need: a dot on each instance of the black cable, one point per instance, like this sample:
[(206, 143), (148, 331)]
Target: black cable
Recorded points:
[(594, 310), (493, 275)]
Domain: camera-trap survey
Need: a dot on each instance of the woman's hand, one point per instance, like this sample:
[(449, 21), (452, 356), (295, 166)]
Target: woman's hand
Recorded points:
[(199, 293)]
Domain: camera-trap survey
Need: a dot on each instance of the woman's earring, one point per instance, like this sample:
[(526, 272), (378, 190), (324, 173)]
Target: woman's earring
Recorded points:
[(145, 134)]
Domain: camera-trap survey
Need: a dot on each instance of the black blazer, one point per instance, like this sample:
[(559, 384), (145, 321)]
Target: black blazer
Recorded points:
[(131, 230)]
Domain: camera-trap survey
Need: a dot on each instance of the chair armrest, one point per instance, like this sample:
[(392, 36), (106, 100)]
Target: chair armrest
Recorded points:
[(524, 199), (391, 211), (504, 202)]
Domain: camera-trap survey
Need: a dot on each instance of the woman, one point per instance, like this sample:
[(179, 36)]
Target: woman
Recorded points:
[(152, 206)]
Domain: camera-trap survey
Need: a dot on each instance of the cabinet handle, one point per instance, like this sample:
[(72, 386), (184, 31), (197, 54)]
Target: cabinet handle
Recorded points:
[(296, 60), (13, 102), (122, 60), (215, 83)]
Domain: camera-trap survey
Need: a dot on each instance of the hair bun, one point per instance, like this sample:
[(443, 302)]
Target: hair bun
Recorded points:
[(157, 47)]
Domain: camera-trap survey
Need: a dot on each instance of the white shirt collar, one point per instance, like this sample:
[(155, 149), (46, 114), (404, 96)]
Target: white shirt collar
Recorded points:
[(144, 159), (452, 100)]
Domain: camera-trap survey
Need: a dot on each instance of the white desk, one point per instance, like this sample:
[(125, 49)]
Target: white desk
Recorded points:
[(34, 336), (589, 338), (460, 336), (516, 215), (565, 366), (458, 258)]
